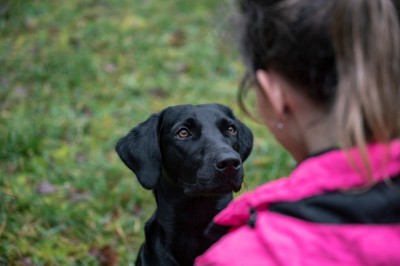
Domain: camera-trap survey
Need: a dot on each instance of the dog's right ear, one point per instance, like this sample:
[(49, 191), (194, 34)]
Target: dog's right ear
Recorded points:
[(140, 151)]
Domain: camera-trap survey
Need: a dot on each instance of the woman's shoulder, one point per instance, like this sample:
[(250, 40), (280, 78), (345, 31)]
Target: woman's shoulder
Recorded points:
[(375, 204), (277, 239)]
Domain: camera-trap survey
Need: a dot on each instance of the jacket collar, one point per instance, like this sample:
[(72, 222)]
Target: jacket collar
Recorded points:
[(331, 171)]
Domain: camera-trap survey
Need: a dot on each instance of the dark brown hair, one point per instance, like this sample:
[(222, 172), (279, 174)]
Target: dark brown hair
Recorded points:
[(342, 54), (291, 37)]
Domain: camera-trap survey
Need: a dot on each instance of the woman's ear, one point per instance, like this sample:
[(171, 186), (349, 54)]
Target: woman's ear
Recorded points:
[(271, 88)]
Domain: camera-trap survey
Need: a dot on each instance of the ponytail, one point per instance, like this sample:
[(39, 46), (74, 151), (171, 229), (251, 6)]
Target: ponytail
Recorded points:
[(366, 40)]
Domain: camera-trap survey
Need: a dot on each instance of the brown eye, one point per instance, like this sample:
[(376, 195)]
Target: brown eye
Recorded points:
[(231, 130), (183, 134)]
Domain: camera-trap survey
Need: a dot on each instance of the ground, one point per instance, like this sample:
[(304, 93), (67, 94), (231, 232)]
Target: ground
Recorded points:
[(77, 75)]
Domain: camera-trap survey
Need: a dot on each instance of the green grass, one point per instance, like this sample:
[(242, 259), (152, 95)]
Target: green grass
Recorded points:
[(77, 75)]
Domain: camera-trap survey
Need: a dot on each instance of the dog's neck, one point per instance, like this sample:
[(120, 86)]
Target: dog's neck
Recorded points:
[(177, 212), (172, 202)]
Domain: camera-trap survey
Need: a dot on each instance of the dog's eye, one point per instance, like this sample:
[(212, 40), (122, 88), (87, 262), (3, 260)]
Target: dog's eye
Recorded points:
[(183, 134), (231, 130)]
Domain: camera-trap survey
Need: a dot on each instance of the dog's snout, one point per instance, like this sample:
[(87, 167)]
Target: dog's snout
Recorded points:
[(228, 164)]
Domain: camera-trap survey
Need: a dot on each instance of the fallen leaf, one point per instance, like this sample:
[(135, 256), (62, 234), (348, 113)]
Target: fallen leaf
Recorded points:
[(76, 195), (137, 209), (53, 31), (177, 38), (4, 82), (31, 23), (24, 261), (182, 68), (12, 167), (158, 92), (107, 256), (21, 91), (116, 214), (74, 41), (45, 188), (109, 68), (81, 158)]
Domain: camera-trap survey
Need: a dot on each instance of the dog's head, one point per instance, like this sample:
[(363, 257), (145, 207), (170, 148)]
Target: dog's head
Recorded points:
[(197, 148)]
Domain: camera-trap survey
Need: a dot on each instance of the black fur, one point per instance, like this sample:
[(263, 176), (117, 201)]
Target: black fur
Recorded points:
[(192, 178)]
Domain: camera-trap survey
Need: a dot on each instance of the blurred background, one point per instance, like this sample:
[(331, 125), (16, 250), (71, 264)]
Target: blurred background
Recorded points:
[(77, 75)]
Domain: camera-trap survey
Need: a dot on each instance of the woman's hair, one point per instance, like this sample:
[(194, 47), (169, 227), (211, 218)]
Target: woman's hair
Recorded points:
[(342, 54)]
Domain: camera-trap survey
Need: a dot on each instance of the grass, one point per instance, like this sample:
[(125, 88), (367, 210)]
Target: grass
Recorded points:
[(75, 76)]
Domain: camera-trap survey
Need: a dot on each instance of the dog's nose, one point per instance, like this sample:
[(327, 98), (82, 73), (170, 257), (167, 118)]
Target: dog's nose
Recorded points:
[(228, 164)]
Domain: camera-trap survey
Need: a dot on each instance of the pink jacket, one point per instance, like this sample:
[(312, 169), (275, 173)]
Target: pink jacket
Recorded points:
[(277, 239)]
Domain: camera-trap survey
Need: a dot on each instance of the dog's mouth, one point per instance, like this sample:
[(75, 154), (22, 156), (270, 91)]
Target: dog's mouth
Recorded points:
[(197, 189)]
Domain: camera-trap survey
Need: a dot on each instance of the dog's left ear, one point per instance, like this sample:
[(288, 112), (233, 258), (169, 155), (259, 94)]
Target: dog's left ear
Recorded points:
[(245, 140), (140, 151)]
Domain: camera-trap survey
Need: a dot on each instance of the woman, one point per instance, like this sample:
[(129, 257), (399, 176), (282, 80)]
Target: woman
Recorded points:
[(327, 80)]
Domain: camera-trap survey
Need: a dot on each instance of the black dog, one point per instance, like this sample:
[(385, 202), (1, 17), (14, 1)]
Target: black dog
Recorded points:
[(191, 157)]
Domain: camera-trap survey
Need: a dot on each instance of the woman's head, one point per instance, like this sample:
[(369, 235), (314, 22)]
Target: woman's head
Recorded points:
[(291, 37), (342, 55)]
